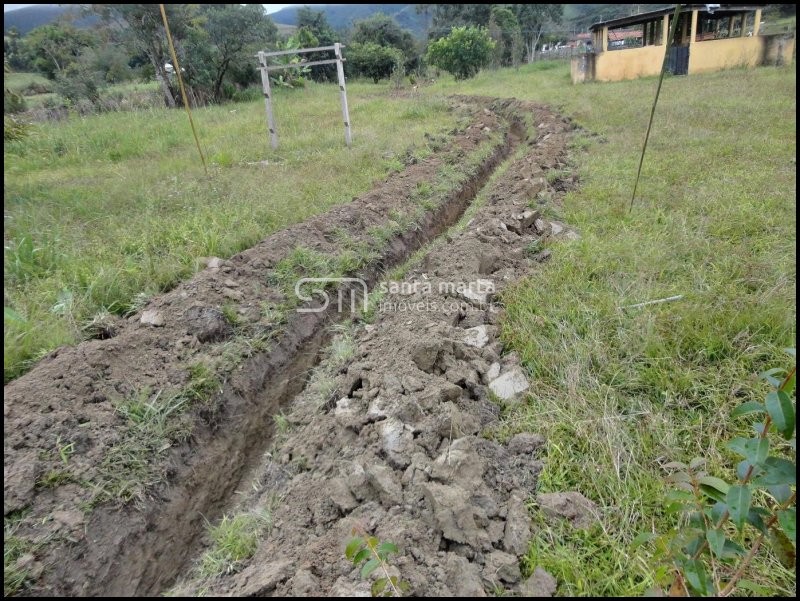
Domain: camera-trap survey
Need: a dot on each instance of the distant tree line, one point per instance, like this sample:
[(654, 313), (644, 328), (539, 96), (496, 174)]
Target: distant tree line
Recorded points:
[(216, 44)]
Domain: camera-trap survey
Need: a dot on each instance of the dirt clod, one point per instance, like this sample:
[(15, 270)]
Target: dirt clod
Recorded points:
[(540, 584), (572, 506)]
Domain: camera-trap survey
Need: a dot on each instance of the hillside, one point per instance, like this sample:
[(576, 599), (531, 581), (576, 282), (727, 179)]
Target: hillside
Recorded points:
[(31, 17), (342, 16)]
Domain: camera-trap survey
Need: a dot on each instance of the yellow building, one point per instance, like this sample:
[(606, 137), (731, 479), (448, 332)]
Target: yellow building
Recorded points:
[(709, 37)]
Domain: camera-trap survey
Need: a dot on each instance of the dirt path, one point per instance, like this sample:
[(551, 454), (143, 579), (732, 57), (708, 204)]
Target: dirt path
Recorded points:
[(117, 450)]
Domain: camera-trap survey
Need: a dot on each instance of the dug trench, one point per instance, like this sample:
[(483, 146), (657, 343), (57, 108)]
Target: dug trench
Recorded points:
[(119, 450)]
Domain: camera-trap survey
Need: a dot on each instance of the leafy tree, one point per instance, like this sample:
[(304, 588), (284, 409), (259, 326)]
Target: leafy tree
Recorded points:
[(226, 35), (141, 27), (533, 19), (446, 16), (383, 30), (463, 52), (13, 50), (79, 81), (373, 61), (52, 48), (504, 30), (314, 22)]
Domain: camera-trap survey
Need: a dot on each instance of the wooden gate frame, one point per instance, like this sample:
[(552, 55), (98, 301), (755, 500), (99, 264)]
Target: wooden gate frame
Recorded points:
[(265, 68)]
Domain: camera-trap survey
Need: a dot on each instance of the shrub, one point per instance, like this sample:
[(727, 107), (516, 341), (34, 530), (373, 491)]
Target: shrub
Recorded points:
[(724, 525), (374, 61), (463, 52)]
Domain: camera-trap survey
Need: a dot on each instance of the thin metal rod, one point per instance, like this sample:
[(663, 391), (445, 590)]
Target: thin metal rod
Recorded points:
[(183, 89), (667, 46)]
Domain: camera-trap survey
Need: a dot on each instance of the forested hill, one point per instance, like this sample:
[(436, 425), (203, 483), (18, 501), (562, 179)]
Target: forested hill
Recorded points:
[(577, 17)]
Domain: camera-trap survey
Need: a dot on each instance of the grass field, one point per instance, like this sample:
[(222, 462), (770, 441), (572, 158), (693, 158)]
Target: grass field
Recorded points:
[(104, 209), (618, 393)]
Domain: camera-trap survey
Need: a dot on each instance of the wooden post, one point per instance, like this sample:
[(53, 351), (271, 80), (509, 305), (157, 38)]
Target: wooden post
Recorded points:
[(273, 135), (693, 28), (757, 22), (665, 30), (604, 39), (343, 92), (743, 32)]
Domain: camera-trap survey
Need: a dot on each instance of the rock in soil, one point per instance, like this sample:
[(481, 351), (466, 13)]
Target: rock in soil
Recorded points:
[(540, 584), (510, 384), (572, 506)]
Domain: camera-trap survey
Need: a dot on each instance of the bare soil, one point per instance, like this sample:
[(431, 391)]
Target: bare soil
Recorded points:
[(398, 449)]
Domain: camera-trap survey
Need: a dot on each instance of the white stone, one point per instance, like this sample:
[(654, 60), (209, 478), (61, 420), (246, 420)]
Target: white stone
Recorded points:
[(494, 371), (510, 384), (151, 317), (477, 336), (478, 292)]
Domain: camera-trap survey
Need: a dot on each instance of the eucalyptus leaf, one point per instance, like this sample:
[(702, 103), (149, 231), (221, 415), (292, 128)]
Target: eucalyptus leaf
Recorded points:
[(777, 470), (738, 500), (716, 541), (787, 518), (780, 409)]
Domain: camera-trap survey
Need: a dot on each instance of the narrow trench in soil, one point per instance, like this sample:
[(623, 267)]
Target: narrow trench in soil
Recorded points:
[(281, 382)]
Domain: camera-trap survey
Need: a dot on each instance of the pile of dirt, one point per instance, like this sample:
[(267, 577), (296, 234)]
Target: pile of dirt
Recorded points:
[(399, 448), (73, 426)]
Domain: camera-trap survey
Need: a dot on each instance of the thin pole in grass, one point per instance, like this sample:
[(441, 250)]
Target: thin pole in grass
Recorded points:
[(667, 46), (183, 88)]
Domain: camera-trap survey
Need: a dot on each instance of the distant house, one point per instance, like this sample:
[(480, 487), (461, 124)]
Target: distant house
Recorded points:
[(709, 37)]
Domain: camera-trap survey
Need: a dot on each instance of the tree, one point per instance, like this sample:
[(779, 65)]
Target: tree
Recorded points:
[(142, 28), (373, 61), (446, 16), (463, 52), (315, 23), (52, 48), (226, 34), (504, 28), (383, 30), (533, 19), (13, 50)]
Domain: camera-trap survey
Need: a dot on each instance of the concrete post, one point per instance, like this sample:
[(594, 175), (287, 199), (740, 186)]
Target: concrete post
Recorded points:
[(665, 30), (605, 39), (757, 24), (743, 32)]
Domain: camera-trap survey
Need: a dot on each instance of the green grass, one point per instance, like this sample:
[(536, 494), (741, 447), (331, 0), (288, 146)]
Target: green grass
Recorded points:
[(22, 82), (102, 210), (618, 393), (775, 24), (233, 540)]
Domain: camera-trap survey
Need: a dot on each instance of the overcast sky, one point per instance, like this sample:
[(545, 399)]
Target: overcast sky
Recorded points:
[(271, 8)]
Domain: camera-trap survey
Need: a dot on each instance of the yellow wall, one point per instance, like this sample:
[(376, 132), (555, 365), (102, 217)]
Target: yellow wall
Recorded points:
[(714, 55), (630, 63)]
